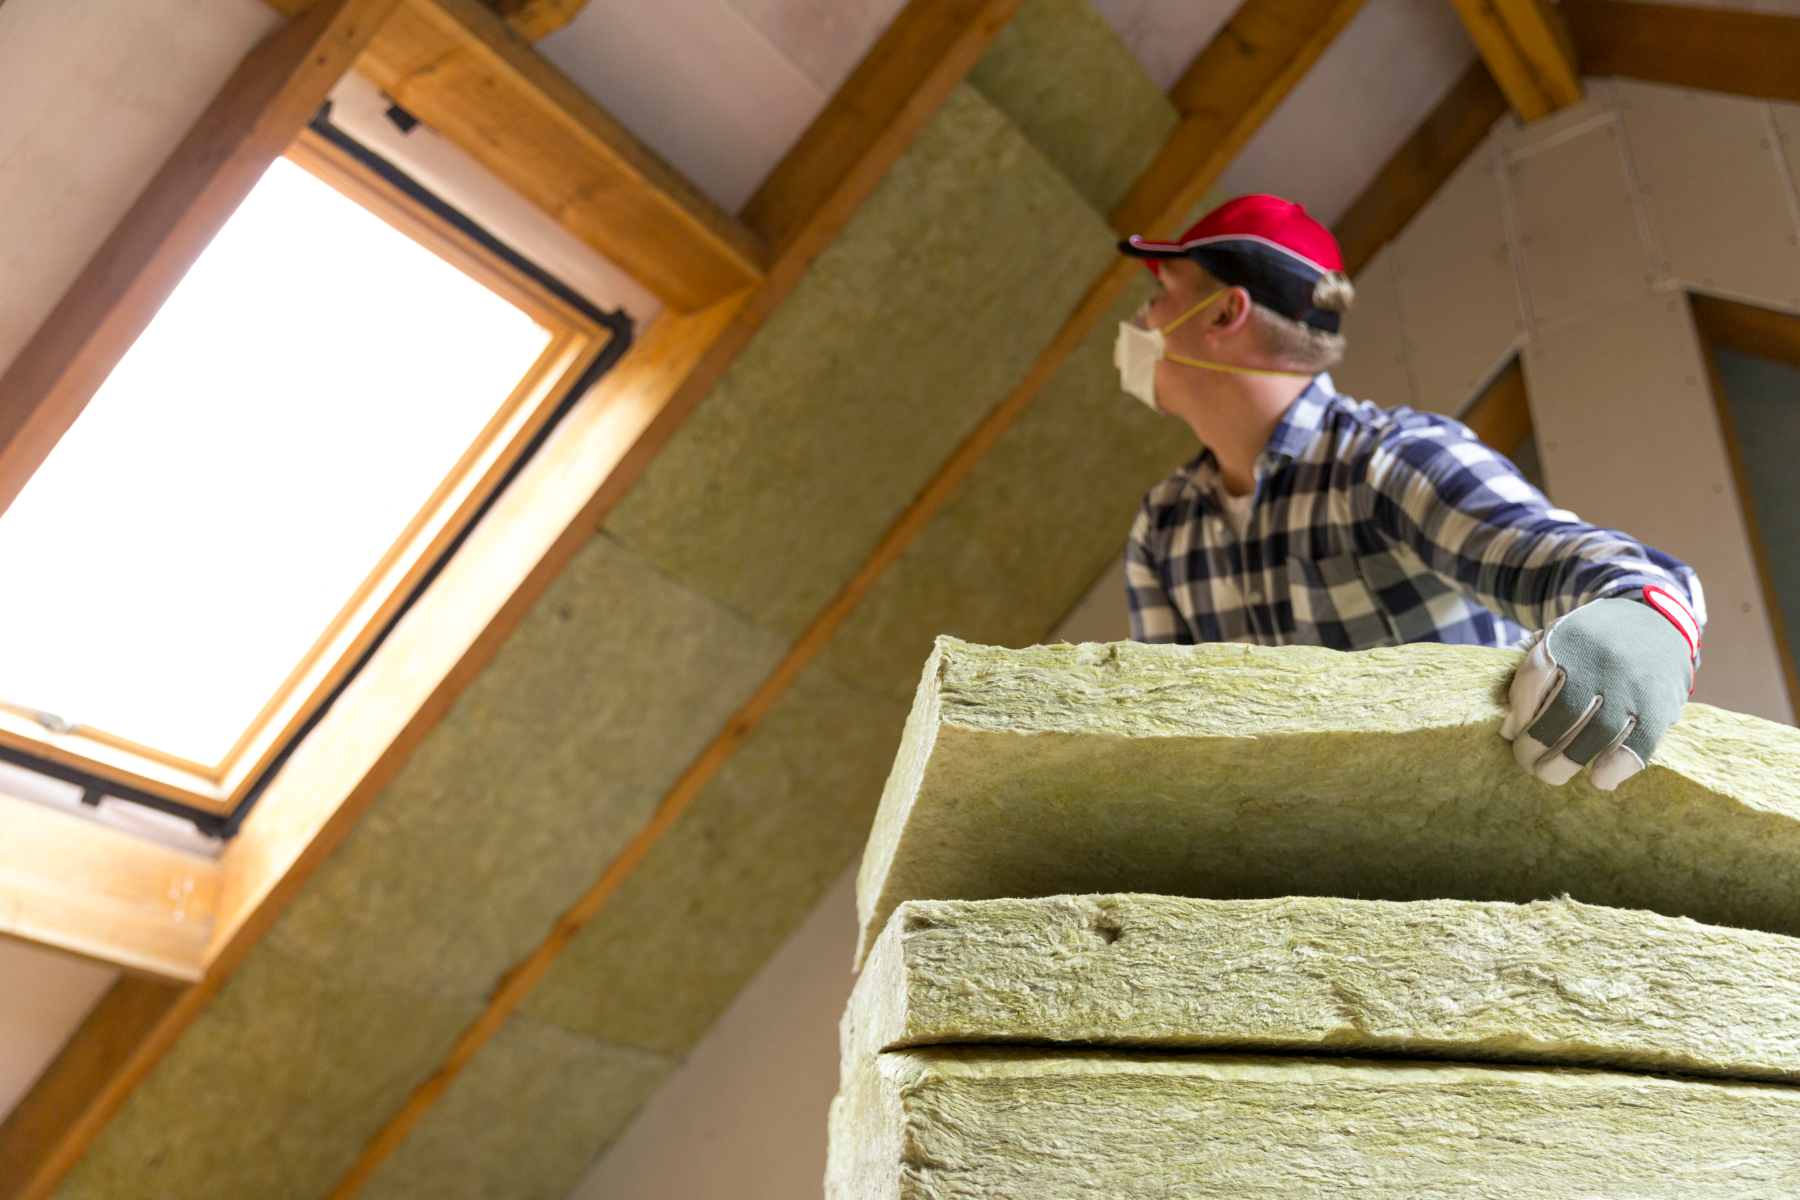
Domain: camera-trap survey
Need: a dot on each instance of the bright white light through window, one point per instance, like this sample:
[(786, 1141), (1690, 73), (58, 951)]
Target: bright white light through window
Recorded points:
[(290, 410)]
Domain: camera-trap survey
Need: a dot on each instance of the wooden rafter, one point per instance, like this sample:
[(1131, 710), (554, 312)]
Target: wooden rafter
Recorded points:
[(1227, 93), (1720, 50), (264, 104), (535, 528), (1529, 52), (535, 19)]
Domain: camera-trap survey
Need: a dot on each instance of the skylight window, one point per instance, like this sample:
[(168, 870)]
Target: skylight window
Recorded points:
[(268, 467)]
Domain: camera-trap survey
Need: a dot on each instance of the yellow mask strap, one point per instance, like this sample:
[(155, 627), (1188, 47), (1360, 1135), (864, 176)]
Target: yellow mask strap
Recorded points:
[(1190, 312), (1213, 366)]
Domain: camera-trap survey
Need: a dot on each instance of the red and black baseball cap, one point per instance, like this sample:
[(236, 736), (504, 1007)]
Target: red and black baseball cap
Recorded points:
[(1264, 244)]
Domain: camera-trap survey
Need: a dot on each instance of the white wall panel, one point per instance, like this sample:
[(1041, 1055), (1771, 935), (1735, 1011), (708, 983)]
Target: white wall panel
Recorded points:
[(94, 94), (1374, 366), (1577, 224), (1458, 287), (1715, 190), (1630, 440)]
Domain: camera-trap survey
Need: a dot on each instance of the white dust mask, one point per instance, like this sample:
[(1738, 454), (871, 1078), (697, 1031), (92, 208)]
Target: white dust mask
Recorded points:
[(1138, 350), (1136, 354)]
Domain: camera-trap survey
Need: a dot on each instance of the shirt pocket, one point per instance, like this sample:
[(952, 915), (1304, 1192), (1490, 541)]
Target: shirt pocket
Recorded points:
[(1334, 606)]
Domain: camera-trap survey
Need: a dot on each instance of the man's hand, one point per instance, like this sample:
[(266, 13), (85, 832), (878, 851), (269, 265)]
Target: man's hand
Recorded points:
[(1603, 685)]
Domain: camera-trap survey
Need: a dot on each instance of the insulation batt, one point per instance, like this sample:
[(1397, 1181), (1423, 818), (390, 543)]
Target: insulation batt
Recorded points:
[(1066, 1125), (1552, 982), (1238, 772)]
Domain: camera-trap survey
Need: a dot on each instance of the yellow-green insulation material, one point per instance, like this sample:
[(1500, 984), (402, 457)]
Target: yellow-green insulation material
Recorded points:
[(274, 1090), (1095, 114), (544, 768), (1069, 1125), (1553, 982), (916, 322), (1043, 514), (669, 951), (1236, 772), (547, 765), (526, 1119)]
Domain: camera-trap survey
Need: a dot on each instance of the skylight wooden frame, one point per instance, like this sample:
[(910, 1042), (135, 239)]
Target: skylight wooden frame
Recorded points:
[(577, 339)]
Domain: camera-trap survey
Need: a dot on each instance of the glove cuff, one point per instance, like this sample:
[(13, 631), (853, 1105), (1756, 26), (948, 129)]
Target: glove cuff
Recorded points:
[(1678, 615)]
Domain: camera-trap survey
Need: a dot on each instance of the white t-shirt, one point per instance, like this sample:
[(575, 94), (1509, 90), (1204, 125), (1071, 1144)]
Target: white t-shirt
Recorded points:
[(1237, 511)]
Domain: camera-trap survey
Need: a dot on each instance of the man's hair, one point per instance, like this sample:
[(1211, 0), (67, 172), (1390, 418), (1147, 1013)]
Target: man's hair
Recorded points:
[(1298, 346)]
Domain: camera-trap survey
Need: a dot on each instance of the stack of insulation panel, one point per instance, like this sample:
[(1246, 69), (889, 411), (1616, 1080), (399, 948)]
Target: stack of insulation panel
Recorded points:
[(1230, 921)]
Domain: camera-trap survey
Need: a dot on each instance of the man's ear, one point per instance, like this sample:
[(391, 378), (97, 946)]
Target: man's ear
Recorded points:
[(1233, 312)]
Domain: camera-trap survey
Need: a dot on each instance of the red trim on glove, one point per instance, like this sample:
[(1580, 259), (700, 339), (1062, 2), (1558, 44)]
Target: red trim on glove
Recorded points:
[(1678, 614)]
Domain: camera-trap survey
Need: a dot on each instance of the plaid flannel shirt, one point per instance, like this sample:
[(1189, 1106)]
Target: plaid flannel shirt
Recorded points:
[(1372, 527)]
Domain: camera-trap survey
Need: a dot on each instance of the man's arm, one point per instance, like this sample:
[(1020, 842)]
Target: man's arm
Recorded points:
[(1620, 622), (1477, 524)]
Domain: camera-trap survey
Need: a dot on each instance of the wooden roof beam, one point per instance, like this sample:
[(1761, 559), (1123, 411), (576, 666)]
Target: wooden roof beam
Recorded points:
[(1720, 50), (1529, 52)]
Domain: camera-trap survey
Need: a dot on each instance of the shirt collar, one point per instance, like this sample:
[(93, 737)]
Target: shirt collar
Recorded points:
[(1302, 421)]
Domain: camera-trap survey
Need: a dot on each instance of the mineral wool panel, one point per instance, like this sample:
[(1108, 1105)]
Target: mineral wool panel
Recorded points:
[(1552, 982), (1238, 772), (1032, 526), (1065, 1125), (1066, 80)]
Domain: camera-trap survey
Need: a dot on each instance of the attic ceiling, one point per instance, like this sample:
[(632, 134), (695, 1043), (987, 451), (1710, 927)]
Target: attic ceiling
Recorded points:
[(919, 319)]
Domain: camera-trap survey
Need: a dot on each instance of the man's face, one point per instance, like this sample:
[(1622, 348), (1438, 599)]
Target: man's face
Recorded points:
[(1182, 285)]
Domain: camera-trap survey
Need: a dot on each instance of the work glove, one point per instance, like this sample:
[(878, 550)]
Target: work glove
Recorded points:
[(1602, 685)]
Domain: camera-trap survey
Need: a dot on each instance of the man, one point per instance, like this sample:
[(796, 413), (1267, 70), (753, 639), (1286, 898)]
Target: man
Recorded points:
[(1311, 518)]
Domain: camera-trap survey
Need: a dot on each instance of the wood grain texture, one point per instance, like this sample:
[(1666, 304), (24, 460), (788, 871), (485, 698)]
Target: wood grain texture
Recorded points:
[(264, 104), (461, 69), (66, 1095), (1528, 50), (1719, 50), (103, 893), (1422, 165), (537, 19)]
